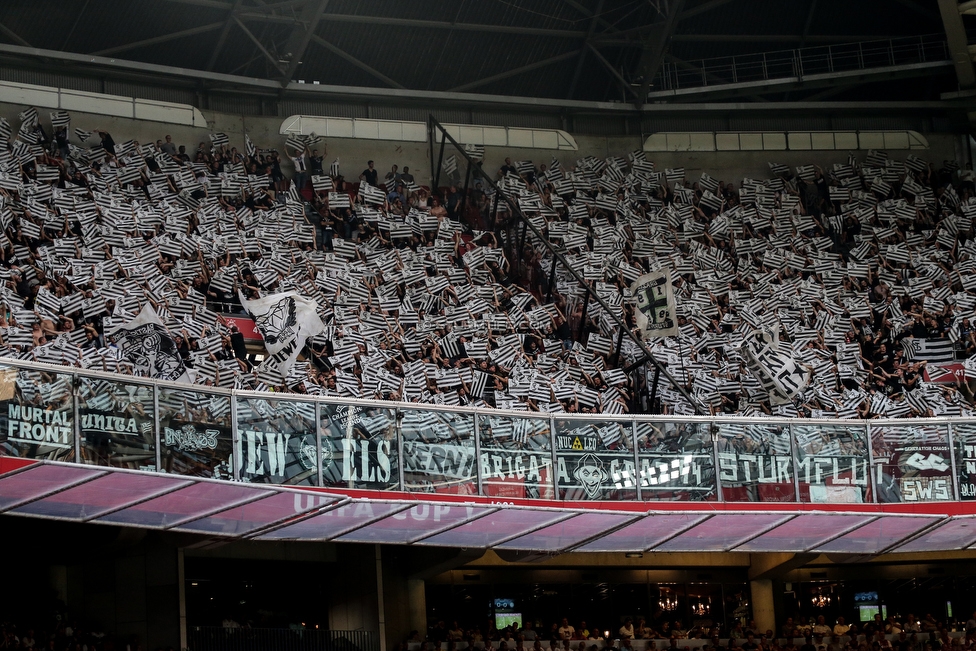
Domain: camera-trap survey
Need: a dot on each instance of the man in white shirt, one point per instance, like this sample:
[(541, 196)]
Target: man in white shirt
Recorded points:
[(841, 627), (301, 168), (627, 630), (566, 630)]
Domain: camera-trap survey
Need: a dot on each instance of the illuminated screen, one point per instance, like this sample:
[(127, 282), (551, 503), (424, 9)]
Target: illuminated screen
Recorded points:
[(867, 612), (504, 620)]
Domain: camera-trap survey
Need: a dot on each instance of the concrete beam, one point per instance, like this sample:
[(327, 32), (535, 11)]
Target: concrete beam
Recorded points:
[(958, 42), (774, 565)]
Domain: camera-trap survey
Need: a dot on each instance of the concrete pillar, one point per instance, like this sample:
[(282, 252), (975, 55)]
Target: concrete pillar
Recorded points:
[(762, 604), (417, 605)]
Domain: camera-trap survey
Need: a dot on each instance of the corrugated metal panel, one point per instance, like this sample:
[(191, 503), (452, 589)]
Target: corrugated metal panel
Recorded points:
[(50, 79), (876, 122), (599, 126), (685, 123), (526, 120), (236, 104), (779, 123), (323, 108), (158, 93), (407, 113)]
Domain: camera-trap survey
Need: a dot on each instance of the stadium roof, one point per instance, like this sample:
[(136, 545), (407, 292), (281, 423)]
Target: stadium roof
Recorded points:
[(231, 510), (583, 50)]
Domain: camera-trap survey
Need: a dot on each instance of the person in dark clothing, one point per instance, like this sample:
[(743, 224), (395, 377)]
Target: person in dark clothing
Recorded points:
[(370, 175), (108, 144)]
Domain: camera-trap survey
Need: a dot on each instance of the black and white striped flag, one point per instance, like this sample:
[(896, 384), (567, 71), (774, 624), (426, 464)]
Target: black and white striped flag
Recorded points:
[(450, 165), (338, 200), (219, 139), (60, 119), (28, 118), (334, 168), (476, 152), (84, 135), (370, 194), (249, 146)]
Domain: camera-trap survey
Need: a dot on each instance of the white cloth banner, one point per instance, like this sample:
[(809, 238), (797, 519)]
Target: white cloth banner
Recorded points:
[(285, 321), (781, 375), (147, 343), (656, 314)]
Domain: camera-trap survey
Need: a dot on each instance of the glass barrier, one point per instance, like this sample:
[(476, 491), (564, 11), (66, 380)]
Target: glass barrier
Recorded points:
[(832, 463), (359, 447), (117, 424), (595, 460), (439, 452), (911, 463), (677, 462), (516, 457), (755, 462), (195, 434), (530, 456), (36, 415), (964, 439), (276, 442)]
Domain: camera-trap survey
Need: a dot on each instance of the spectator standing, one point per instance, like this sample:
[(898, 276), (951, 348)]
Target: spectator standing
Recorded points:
[(370, 175)]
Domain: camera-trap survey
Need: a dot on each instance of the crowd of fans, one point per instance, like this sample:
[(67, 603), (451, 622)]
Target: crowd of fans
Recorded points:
[(893, 633), (431, 295), (62, 636)]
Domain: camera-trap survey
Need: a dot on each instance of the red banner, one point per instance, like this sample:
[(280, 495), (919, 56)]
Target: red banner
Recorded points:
[(944, 373)]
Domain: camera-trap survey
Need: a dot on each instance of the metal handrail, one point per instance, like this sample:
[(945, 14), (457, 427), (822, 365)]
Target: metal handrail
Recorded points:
[(798, 62)]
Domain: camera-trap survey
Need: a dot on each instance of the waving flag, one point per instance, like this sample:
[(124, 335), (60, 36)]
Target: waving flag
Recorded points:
[(285, 321), (147, 344)]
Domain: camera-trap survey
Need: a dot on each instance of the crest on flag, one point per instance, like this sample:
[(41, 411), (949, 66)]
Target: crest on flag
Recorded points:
[(781, 375), (656, 313), (285, 321), (146, 343)]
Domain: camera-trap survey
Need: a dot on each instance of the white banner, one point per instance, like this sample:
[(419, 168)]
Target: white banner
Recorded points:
[(656, 314), (781, 375), (285, 321), (146, 343)]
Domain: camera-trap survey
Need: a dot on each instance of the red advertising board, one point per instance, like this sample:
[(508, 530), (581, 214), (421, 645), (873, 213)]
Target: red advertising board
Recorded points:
[(246, 326)]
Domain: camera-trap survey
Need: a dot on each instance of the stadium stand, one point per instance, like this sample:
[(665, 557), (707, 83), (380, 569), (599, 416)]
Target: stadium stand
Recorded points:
[(862, 274)]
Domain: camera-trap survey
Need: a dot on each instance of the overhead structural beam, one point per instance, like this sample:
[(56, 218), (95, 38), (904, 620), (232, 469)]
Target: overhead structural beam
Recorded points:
[(354, 61), (210, 4), (582, 53), (958, 42), (127, 69), (623, 83), (254, 39), (779, 38), (920, 10), (595, 15), (807, 81), (165, 38), (410, 23), (224, 33), (301, 34), (655, 45), (515, 71), (13, 36), (702, 8)]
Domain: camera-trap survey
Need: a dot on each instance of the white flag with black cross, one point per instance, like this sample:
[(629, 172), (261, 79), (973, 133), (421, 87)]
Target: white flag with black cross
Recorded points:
[(656, 313), (285, 321), (147, 344)]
